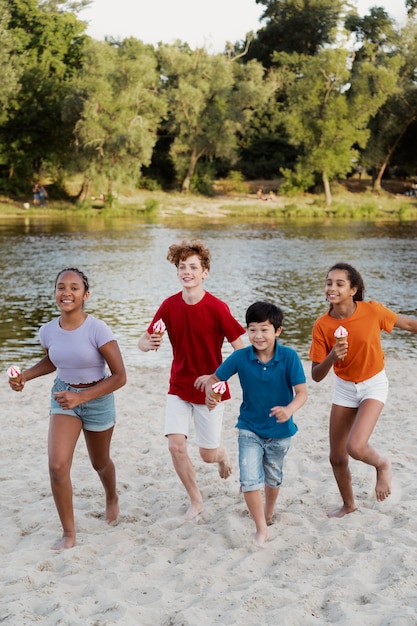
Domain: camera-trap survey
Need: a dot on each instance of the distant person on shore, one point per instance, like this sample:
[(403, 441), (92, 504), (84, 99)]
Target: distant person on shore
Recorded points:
[(42, 195), (36, 195), (78, 346), (274, 388), (347, 339), (197, 324)]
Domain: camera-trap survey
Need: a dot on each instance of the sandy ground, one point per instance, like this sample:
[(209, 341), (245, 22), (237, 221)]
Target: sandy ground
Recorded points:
[(154, 569)]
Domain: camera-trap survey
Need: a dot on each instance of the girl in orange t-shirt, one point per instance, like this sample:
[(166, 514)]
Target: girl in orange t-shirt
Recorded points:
[(361, 385)]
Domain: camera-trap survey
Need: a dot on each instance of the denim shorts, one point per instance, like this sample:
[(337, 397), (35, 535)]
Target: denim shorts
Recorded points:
[(97, 415), (351, 395), (261, 460), (207, 424)]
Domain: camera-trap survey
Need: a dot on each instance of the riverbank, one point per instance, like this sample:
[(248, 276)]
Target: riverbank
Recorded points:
[(154, 568), (351, 200)]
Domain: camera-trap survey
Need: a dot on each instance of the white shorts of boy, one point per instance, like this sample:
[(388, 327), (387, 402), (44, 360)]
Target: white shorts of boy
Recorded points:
[(207, 424), (351, 395)]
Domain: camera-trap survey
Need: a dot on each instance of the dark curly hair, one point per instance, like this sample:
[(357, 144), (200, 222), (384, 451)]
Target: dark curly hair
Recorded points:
[(354, 278)]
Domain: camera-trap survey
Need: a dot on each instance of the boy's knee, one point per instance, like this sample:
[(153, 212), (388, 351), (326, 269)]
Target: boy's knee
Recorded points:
[(176, 444), (209, 456)]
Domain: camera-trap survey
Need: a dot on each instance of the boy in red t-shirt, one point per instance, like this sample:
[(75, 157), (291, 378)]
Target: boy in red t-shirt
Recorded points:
[(197, 324)]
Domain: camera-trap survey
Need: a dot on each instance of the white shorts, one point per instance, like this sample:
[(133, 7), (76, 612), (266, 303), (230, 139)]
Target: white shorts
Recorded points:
[(207, 424), (351, 395)]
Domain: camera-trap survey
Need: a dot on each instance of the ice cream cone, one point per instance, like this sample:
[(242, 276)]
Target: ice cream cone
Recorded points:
[(217, 390), (341, 335), (159, 328), (14, 373)]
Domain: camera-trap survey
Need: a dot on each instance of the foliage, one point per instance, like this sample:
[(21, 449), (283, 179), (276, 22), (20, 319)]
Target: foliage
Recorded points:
[(117, 106), (210, 99), (49, 42)]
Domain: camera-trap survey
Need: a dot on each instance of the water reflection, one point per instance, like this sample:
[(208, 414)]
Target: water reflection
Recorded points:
[(129, 276)]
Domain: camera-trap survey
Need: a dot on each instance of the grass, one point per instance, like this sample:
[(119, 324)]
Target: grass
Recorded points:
[(350, 202)]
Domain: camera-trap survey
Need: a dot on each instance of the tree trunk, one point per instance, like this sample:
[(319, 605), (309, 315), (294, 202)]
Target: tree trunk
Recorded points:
[(376, 184), (83, 193), (327, 191), (185, 187)]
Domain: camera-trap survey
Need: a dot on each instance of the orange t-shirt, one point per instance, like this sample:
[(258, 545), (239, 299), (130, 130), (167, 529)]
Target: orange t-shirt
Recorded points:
[(365, 357)]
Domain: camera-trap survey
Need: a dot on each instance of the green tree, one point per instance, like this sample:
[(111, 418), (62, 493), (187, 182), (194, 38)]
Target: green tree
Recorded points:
[(49, 41), (381, 43), (327, 112), (295, 26), (211, 100), (117, 107), (9, 60)]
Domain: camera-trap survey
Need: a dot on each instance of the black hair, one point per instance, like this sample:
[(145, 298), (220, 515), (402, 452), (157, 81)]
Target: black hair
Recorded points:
[(259, 312), (354, 277), (77, 271)]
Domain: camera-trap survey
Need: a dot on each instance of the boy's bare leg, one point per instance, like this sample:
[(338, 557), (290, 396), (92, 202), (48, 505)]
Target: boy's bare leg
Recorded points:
[(254, 503), (271, 495), (177, 445), (220, 456)]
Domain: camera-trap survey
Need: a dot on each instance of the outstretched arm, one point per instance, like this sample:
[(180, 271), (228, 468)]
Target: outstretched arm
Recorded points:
[(406, 323)]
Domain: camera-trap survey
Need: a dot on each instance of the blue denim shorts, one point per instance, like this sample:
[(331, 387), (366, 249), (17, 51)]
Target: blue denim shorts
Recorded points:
[(261, 460), (97, 415)]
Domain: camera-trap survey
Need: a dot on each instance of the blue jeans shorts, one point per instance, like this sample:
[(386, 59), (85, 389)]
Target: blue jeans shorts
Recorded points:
[(261, 460), (97, 415)]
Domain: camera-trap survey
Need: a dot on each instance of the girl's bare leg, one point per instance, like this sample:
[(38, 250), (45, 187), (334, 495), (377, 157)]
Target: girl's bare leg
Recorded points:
[(255, 506), (64, 431), (359, 448), (341, 420), (271, 495), (98, 446)]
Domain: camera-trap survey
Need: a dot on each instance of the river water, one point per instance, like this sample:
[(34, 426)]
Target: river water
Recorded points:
[(129, 275)]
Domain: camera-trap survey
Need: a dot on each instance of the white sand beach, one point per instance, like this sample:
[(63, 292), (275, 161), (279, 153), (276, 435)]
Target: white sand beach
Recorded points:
[(154, 569)]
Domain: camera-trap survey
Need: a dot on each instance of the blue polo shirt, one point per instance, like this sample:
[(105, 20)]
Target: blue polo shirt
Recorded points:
[(264, 385)]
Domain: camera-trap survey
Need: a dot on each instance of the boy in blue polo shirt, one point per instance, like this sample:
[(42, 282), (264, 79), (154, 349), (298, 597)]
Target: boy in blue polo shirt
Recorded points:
[(274, 387)]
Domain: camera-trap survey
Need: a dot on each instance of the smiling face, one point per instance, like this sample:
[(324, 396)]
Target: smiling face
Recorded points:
[(262, 336), (70, 291), (338, 288), (191, 272)]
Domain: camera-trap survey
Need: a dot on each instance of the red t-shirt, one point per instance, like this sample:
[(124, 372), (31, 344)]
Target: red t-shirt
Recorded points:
[(196, 332), (365, 357)]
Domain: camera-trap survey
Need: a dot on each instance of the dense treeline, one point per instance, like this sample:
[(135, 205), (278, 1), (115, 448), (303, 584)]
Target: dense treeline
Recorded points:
[(315, 93)]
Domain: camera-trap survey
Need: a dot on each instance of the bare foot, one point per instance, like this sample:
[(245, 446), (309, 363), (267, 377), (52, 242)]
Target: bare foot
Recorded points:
[(67, 541), (342, 511), (383, 480), (260, 537), (270, 519), (193, 511), (112, 512), (225, 466)]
